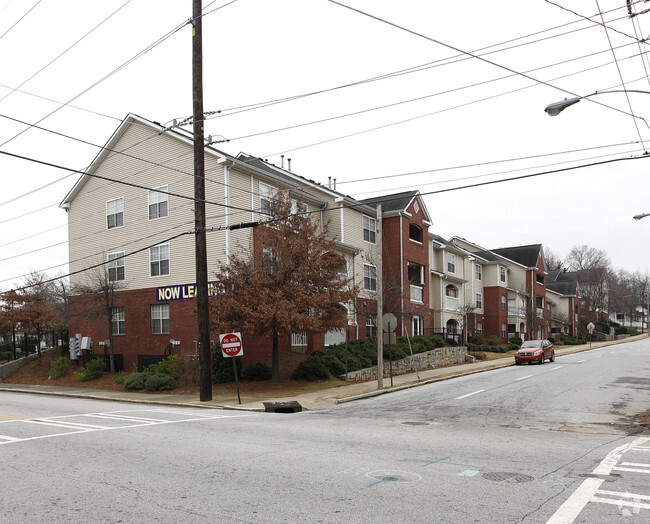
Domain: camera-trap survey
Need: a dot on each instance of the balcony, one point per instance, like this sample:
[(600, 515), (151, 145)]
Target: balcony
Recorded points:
[(452, 303), (516, 311), (416, 293), (540, 312)]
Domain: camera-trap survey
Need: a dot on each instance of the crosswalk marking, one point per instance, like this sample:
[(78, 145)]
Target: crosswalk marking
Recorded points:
[(123, 419)]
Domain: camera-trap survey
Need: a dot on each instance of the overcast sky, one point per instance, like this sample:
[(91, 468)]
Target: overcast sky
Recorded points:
[(463, 104)]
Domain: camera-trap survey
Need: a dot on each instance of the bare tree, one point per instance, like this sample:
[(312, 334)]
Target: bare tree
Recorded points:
[(552, 260), (38, 311), (594, 271), (10, 315), (97, 297)]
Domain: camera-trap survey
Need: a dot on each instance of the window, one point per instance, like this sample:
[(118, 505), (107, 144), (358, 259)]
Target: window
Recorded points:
[(369, 229), (115, 213), (159, 260), (116, 267), (451, 263), (118, 321), (415, 233), (479, 327), (479, 272), (503, 303), (369, 277), (540, 278), (267, 195), (504, 330), (371, 326), (299, 339), (158, 203), (417, 325), (502, 271), (479, 301), (160, 318), (451, 291)]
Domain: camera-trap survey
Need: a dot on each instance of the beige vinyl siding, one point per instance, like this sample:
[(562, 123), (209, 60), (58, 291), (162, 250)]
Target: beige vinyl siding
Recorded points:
[(90, 241)]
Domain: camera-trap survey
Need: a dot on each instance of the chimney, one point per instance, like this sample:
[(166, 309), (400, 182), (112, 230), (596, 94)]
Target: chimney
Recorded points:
[(289, 164), (329, 182), (282, 162), (334, 188)]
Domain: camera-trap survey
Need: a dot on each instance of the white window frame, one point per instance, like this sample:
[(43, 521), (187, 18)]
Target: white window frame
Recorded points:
[(479, 301), (115, 263), (157, 256), (504, 330), (267, 193), (479, 272), (299, 339), (159, 202), (451, 263), (417, 325), (371, 325), (504, 303), (479, 327), (502, 274), (115, 209), (369, 277), (160, 319), (369, 226), (118, 321)]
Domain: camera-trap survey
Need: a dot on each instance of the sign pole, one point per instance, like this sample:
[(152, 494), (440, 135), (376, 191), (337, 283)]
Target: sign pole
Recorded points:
[(234, 370), (390, 355)]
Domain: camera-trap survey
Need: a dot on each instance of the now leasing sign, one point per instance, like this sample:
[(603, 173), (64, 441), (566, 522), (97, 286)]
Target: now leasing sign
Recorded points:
[(186, 291)]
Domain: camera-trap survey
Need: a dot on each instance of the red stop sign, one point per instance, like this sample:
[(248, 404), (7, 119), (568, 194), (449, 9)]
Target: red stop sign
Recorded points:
[(231, 345)]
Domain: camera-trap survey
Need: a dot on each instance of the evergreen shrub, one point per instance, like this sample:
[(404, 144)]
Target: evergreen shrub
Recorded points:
[(58, 367), (258, 371), (93, 369), (135, 381), (159, 382)]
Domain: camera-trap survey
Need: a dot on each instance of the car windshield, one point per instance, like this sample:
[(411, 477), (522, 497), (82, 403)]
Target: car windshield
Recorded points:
[(532, 344)]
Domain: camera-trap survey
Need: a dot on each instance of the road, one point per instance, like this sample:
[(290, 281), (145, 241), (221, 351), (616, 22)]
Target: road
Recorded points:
[(533, 443)]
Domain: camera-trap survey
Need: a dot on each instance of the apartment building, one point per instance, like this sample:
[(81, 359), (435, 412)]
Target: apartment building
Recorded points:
[(133, 210)]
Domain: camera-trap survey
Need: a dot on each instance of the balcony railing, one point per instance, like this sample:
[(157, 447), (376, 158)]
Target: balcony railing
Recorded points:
[(516, 311), (540, 312), (416, 293), (452, 303)]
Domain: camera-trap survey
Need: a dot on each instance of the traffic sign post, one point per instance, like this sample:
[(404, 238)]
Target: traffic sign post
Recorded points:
[(389, 323), (231, 346)]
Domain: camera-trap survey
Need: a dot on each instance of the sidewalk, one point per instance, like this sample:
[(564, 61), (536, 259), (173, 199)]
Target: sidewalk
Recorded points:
[(308, 401)]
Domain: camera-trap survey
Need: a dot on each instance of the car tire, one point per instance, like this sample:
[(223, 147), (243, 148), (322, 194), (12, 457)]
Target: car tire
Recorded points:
[(541, 360), (517, 363), (552, 359)]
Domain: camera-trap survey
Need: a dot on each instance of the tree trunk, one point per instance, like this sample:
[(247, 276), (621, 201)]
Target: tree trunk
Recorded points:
[(275, 376)]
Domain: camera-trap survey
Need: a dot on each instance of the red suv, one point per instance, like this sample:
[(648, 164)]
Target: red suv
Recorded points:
[(535, 351)]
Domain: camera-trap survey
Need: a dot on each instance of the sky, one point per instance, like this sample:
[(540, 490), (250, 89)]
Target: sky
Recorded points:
[(444, 97)]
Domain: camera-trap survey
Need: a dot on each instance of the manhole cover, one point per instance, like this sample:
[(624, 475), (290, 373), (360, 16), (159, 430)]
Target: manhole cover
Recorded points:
[(509, 478), (415, 423), (392, 476)]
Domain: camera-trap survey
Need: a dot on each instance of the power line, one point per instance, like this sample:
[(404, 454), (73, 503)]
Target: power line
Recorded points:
[(20, 19)]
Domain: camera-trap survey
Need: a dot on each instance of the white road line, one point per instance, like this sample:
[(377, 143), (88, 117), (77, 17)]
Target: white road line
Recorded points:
[(623, 494), (65, 425), (621, 503), (580, 361), (470, 394), (572, 507), (555, 367), (634, 470), (523, 378), (8, 439), (639, 464)]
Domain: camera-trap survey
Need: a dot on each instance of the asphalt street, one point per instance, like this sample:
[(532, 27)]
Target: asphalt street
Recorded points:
[(537, 443)]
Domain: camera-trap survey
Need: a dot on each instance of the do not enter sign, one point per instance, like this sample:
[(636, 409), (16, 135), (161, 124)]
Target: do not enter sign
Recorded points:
[(231, 345)]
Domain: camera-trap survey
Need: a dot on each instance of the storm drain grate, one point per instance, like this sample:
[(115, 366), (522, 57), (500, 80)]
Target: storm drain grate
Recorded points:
[(507, 478)]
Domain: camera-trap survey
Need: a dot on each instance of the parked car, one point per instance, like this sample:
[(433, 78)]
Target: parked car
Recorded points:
[(535, 351)]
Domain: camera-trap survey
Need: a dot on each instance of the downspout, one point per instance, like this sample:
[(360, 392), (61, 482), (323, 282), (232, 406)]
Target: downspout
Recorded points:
[(401, 257), (226, 175)]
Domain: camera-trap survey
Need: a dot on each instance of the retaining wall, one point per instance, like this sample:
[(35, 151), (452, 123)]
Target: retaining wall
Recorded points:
[(431, 359)]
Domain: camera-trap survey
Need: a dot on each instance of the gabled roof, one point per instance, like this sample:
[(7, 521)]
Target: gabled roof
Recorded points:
[(398, 203), (563, 288), (524, 255)]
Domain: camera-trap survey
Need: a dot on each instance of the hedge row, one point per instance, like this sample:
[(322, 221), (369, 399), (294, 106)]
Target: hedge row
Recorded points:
[(361, 353)]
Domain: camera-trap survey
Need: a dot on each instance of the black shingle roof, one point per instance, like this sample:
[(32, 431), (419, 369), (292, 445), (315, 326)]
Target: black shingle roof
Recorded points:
[(524, 255), (396, 202)]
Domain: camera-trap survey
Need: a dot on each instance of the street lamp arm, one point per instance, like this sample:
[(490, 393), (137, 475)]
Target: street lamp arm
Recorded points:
[(556, 108), (640, 216)]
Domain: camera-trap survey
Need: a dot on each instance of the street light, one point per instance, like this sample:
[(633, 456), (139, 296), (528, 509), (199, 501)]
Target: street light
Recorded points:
[(556, 108), (640, 216)]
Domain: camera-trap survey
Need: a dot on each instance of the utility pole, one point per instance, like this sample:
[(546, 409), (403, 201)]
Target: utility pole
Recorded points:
[(380, 305), (200, 249)]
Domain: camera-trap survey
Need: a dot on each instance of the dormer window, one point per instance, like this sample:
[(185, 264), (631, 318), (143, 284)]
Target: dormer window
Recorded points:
[(415, 233)]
